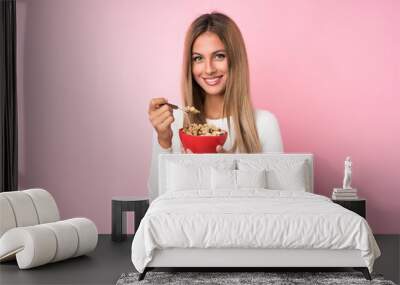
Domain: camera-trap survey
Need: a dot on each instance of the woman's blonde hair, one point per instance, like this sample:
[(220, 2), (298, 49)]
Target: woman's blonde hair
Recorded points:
[(237, 103)]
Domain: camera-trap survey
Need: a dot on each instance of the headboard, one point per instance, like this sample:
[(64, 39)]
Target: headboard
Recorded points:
[(236, 159)]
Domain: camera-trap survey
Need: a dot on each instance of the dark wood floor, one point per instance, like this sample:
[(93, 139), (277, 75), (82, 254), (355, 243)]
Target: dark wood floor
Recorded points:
[(102, 266), (111, 259)]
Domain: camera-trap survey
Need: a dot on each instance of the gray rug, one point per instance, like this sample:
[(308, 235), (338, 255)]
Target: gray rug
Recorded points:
[(270, 278)]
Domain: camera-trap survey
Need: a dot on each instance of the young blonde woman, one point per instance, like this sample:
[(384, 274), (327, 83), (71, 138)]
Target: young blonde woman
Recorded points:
[(215, 80)]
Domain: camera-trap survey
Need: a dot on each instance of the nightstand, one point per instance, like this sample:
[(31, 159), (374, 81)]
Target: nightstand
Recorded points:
[(121, 205), (358, 206)]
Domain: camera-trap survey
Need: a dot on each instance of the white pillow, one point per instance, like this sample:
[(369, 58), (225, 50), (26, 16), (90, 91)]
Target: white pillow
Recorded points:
[(288, 178), (251, 178), (223, 179), (192, 174), (281, 174), (181, 177)]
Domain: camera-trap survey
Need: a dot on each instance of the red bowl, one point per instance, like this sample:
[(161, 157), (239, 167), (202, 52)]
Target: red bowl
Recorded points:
[(202, 144)]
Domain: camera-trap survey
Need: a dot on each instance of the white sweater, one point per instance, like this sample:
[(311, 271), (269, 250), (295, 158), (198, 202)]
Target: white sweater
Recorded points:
[(267, 127)]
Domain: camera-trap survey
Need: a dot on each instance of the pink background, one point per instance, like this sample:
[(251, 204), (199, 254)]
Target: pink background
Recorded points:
[(329, 70)]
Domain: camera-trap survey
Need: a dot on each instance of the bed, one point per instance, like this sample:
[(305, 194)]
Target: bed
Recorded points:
[(247, 210)]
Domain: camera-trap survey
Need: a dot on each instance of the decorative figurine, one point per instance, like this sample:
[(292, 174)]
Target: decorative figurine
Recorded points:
[(347, 174)]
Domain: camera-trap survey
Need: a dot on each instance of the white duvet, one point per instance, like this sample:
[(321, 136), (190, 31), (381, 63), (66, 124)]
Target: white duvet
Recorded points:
[(250, 219)]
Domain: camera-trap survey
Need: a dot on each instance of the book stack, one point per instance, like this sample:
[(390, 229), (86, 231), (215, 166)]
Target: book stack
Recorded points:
[(344, 194)]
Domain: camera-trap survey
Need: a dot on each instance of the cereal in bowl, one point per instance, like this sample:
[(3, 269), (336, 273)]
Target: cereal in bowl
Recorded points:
[(202, 130)]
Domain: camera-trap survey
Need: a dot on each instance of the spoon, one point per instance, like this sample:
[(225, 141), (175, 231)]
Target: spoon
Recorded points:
[(175, 107), (186, 110)]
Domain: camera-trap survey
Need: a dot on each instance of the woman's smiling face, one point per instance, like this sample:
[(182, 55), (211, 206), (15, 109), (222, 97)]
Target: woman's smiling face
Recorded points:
[(210, 63)]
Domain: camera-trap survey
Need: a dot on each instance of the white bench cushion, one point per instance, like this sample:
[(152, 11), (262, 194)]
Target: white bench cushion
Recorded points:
[(40, 244), (30, 230)]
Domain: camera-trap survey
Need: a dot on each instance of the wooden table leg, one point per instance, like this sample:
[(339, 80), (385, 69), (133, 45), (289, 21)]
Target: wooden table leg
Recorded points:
[(118, 230), (140, 211)]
